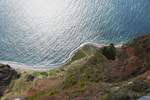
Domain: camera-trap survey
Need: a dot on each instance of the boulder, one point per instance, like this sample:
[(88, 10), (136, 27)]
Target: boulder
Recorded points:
[(7, 74), (30, 78)]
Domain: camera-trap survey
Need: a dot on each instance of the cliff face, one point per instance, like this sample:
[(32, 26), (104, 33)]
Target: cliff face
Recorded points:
[(113, 64), (133, 59), (7, 74)]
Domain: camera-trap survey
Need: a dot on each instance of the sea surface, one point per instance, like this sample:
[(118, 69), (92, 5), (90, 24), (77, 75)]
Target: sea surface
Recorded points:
[(46, 32)]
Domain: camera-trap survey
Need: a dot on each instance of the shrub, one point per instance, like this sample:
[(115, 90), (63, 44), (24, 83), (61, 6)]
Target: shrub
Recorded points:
[(109, 52)]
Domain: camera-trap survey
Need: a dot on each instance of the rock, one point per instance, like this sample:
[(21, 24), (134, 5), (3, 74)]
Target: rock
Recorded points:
[(139, 86), (130, 83), (144, 98), (7, 74), (121, 94), (116, 88), (30, 78)]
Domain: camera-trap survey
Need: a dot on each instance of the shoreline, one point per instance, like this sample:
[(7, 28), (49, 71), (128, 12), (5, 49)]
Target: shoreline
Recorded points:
[(21, 66)]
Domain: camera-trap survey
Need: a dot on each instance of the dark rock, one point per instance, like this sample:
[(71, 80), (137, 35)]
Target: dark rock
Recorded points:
[(139, 86), (30, 78), (7, 74)]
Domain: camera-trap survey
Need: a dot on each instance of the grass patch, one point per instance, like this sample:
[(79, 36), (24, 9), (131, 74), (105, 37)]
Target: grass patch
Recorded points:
[(83, 52), (56, 72)]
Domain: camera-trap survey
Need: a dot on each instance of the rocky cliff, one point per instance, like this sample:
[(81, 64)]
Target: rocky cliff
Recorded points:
[(7, 74)]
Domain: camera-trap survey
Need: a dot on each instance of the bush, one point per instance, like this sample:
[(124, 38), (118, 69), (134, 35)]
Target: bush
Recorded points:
[(109, 52)]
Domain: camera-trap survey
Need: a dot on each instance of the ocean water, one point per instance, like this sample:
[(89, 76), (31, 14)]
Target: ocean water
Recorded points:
[(45, 32)]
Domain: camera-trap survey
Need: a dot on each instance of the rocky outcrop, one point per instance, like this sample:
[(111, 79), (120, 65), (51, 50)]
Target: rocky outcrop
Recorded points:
[(30, 78), (7, 74), (133, 59)]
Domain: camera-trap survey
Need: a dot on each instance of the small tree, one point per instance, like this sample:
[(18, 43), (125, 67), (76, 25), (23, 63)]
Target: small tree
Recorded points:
[(109, 52)]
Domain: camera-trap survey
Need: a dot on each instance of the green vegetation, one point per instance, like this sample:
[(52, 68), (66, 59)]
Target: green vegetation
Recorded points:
[(41, 94), (40, 74), (121, 94), (18, 86), (90, 69), (83, 52), (7, 74), (130, 90), (139, 86), (109, 52), (57, 72)]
